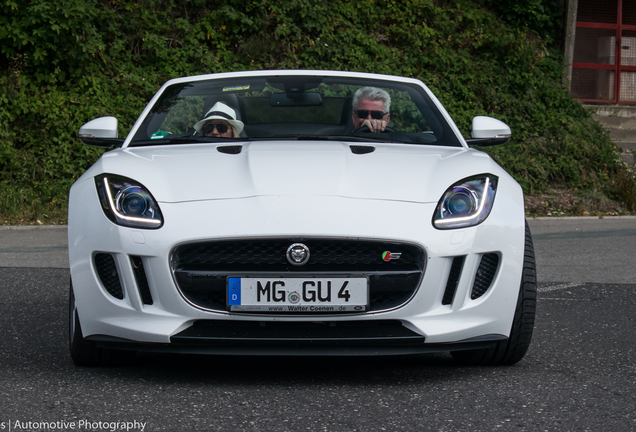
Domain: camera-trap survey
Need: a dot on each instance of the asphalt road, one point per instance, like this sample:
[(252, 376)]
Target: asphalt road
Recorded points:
[(579, 374)]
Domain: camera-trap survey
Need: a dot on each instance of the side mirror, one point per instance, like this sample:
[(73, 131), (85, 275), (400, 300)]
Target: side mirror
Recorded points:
[(101, 132), (488, 131)]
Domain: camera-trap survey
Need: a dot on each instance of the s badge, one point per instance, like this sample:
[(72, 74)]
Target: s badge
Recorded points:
[(388, 256)]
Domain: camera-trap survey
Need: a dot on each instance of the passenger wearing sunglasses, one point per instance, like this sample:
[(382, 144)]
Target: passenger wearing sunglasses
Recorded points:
[(371, 109), (220, 122)]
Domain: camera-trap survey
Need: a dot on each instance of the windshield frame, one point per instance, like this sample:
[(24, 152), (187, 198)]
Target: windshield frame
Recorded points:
[(416, 89)]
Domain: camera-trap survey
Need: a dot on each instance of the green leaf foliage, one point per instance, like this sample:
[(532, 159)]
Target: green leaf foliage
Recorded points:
[(65, 62), (543, 17)]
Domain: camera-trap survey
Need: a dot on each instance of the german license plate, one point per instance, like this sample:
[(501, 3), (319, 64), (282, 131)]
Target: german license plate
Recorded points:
[(298, 294)]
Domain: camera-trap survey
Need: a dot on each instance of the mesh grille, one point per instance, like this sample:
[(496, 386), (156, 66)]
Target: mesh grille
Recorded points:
[(593, 84), (627, 91), (595, 46), (596, 11), (629, 12), (453, 279), (628, 87), (485, 275), (332, 333), (269, 255), (142, 281), (362, 149), (201, 270), (230, 149), (107, 272), (628, 48)]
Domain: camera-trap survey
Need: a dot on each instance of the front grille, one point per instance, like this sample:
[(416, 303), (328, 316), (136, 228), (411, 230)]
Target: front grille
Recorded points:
[(315, 334), (485, 275), (108, 275), (201, 269)]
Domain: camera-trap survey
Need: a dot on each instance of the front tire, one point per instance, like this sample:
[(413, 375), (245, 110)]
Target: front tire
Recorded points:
[(87, 353), (513, 349)]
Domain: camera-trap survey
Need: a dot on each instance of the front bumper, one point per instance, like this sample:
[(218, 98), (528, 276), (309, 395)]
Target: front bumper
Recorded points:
[(275, 338), (434, 322)]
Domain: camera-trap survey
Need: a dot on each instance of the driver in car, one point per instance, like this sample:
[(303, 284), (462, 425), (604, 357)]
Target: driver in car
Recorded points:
[(371, 109)]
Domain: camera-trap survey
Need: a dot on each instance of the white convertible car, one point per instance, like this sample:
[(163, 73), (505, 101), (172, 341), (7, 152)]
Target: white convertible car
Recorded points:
[(298, 213)]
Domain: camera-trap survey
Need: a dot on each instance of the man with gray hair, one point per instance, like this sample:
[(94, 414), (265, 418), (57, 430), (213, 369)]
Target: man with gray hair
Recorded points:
[(371, 109)]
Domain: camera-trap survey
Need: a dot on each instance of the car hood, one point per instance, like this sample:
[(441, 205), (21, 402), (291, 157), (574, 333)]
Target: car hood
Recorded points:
[(396, 172)]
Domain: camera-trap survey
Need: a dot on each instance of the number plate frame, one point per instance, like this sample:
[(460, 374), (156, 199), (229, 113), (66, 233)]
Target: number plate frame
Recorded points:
[(298, 294)]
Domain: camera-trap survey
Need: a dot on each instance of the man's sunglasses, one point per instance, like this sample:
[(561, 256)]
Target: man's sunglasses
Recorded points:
[(209, 128), (376, 115)]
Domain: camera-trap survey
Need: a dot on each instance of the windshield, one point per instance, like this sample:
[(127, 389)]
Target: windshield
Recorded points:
[(294, 108)]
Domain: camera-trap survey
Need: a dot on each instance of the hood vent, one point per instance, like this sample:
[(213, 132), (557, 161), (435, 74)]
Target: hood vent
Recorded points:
[(230, 149), (361, 149)]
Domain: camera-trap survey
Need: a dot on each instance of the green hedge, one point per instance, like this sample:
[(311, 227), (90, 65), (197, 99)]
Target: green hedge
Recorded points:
[(66, 62)]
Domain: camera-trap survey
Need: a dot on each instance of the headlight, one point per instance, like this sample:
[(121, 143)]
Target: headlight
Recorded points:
[(466, 203), (127, 202)]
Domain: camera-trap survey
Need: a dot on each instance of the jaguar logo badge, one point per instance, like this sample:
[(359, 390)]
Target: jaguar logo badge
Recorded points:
[(297, 254)]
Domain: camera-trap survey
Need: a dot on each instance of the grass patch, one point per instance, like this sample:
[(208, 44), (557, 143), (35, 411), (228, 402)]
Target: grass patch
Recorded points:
[(42, 204), (563, 202)]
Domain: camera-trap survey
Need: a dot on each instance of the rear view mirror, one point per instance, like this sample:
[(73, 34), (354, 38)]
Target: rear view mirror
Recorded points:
[(488, 131), (100, 132), (295, 99)]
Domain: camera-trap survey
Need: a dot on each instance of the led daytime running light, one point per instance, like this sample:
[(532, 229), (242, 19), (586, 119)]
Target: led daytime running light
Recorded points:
[(475, 215), (122, 216), (466, 203), (119, 195)]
